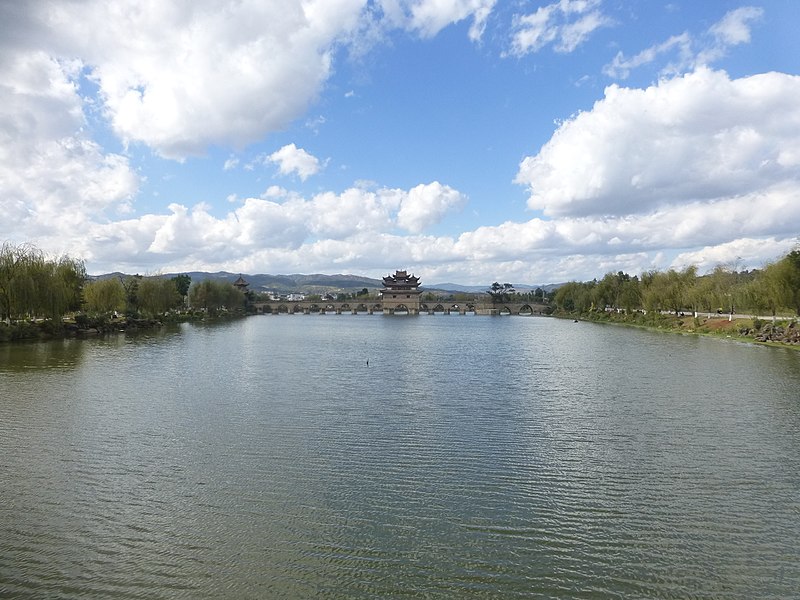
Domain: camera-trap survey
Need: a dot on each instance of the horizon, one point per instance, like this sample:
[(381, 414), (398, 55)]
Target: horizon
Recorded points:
[(470, 140)]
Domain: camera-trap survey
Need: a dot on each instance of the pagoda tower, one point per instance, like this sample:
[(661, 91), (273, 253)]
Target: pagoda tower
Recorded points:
[(240, 284), (400, 290)]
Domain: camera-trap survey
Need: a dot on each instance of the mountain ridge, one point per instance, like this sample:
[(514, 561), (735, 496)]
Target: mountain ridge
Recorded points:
[(319, 282)]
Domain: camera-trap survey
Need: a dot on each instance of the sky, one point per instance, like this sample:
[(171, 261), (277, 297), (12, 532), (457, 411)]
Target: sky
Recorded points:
[(467, 141)]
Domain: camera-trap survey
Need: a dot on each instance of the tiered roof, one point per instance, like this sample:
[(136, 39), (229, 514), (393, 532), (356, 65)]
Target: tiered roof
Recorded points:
[(401, 280)]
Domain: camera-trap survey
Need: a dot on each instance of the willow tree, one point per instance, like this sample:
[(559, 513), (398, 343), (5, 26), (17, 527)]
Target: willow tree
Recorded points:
[(791, 264), (156, 295), (13, 266), (33, 285), (213, 295), (104, 296)]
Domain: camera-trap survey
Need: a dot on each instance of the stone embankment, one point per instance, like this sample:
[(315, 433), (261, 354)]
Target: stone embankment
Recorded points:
[(780, 334)]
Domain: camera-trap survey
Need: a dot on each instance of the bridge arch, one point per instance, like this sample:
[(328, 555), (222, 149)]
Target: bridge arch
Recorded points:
[(400, 309)]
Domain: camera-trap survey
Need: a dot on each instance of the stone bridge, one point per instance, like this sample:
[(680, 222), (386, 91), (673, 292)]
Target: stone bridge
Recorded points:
[(322, 307)]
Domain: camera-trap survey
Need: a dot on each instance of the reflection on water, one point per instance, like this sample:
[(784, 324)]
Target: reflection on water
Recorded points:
[(59, 354), (472, 457)]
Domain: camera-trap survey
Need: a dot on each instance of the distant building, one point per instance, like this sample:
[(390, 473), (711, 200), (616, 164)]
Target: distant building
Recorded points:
[(241, 284), (400, 291)]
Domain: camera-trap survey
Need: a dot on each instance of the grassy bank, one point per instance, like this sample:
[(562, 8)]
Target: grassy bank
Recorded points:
[(82, 325), (784, 333)]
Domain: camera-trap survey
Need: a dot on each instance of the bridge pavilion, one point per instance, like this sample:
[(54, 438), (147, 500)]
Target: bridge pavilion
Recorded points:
[(400, 291)]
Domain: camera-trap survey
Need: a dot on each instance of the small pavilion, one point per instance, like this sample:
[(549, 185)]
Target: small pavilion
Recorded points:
[(241, 284), (400, 291)]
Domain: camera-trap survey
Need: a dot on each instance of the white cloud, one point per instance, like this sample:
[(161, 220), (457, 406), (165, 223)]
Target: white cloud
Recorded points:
[(565, 24), (291, 159), (429, 17), (52, 177), (759, 252), (280, 223), (166, 91), (700, 137), (688, 52), (621, 67), (426, 205), (734, 27), (228, 73)]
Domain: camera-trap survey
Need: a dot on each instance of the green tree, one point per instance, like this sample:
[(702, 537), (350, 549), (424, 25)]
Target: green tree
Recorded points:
[(104, 296), (575, 297), (156, 295), (791, 273), (630, 294), (131, 286), (14, 261), (501, 292), (32, 285), (211, 296), (182, 283), (669, 290)]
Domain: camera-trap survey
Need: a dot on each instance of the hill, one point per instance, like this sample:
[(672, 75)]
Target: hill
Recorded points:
[(298, 283), (320, 284)]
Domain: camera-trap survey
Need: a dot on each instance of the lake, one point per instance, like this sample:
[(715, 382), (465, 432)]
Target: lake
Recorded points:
[(472, 457)]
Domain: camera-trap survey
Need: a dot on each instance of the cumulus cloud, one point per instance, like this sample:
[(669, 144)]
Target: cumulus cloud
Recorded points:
[(686, 52), (228, 73), (52, 177), (700, 137), (166, 91), (280, 223), (291, 159), (426, 205), (565, 25), (759, 252)]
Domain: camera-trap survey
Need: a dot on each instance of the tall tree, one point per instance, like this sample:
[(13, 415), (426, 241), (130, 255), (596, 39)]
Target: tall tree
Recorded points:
[(104, 296), (182, 283), (157, 295)]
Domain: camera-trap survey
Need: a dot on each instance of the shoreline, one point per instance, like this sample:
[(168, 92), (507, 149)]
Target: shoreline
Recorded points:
[(92, 328), (785, 333)]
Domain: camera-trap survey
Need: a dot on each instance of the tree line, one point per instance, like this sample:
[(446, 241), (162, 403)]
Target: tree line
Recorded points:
[(33, 286), (773, 290)]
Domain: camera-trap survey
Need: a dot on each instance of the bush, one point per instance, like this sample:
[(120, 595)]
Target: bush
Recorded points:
[(757, 323), (51, 328)]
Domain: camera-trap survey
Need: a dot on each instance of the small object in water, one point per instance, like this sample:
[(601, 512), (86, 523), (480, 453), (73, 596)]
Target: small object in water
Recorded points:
[(367, 362), (575, 320)]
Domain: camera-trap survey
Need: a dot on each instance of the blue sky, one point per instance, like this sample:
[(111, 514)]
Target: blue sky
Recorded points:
[(468, 141)]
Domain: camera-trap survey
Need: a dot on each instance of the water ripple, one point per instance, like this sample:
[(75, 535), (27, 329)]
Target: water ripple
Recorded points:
[(475, 458)]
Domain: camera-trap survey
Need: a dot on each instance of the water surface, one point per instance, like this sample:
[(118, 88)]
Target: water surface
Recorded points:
[(473, 457)]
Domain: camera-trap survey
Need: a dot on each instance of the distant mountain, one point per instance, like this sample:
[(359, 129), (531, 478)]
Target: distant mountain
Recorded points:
[(308, 284), (320, 284), (476, 289)]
